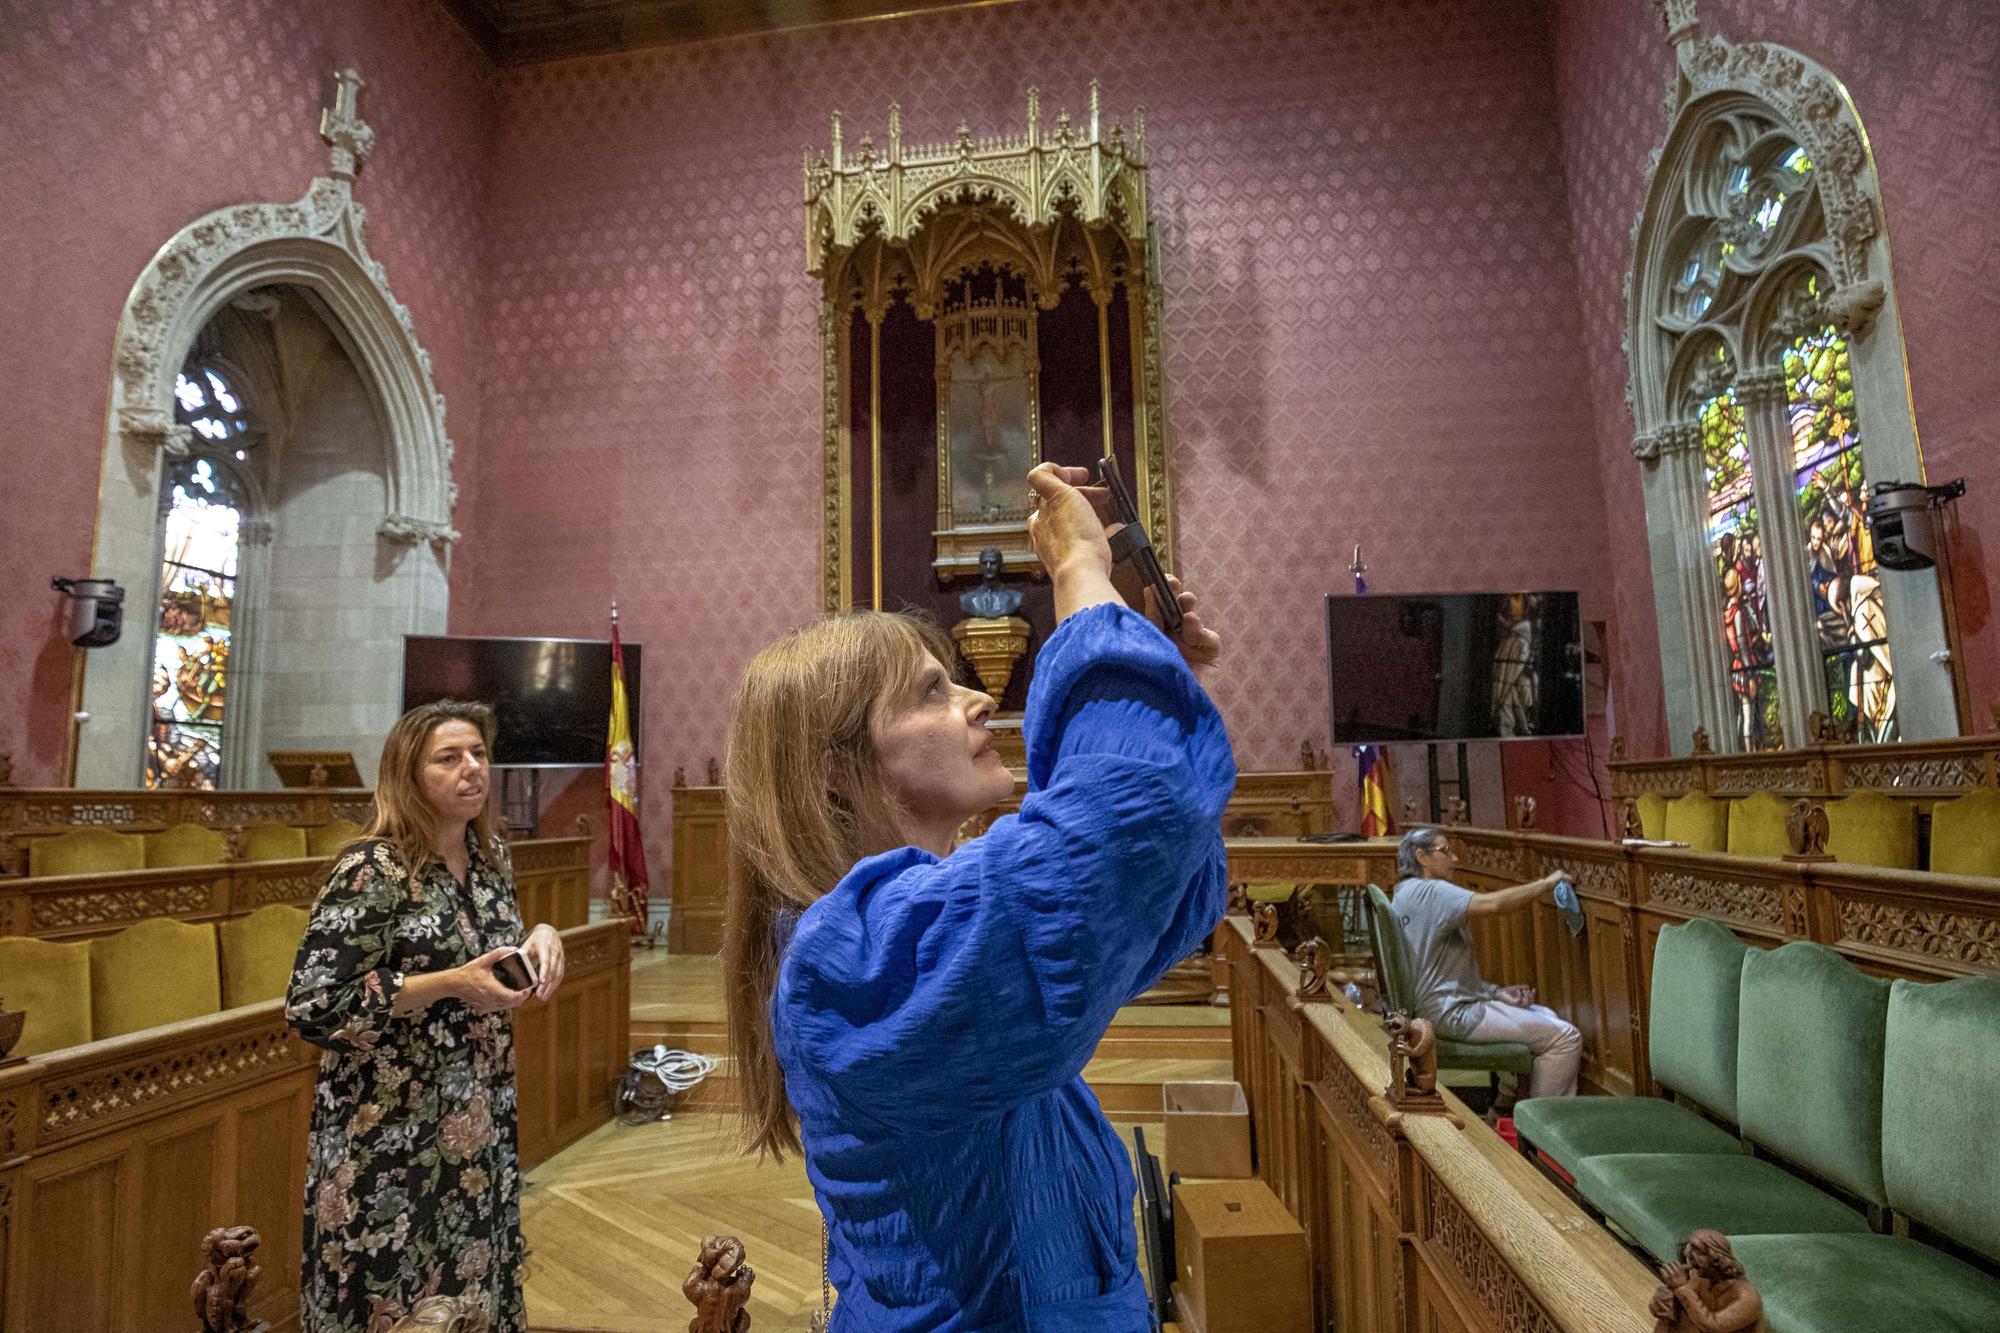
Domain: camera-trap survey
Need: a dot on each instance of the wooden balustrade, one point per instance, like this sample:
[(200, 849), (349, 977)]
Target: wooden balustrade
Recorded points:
[(118, 1156), (1919, 770), (551, 880), (1903, 923), (1416, 1223)]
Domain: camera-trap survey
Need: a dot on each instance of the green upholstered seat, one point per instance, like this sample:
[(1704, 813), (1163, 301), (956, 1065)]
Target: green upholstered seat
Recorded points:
[(152, 973), (1652, 815), (1570, 1129), (1940, 1088), (258, 953), (1809, 1063), (1870, 829), (186, 845), (86, 851), (1394, 969), (1866, 1284), (1662, 1198), (1965, 834), (1757, 825), (50, 982), (1697, 971), (1700, 821), (273, 842)]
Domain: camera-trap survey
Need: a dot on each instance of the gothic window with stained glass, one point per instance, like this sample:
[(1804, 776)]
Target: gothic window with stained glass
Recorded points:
[(1737, 544), (202, 504), (1832, 495)]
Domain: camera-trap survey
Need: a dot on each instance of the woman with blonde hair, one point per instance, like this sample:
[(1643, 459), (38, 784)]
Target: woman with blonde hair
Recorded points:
[(412, 1184), (916, 1016)]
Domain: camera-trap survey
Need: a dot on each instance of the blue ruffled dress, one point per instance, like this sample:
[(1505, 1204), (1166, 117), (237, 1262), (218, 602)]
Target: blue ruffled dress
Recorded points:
[(933, 1017)]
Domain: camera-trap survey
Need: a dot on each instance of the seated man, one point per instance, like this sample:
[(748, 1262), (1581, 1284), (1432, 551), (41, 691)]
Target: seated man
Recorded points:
[(1434, 914)]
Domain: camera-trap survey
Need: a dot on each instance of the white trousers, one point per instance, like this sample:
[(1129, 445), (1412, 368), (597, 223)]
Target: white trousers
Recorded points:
[(1557, 1045)]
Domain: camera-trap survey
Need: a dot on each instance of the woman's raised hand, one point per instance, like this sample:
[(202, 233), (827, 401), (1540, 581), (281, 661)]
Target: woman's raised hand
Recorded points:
[(545, 950), (1067, 526), (1199, 644)]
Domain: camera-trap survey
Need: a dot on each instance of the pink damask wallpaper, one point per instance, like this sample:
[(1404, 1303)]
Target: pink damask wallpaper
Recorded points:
[(128, 119), (1923, 77), (1372, 334)]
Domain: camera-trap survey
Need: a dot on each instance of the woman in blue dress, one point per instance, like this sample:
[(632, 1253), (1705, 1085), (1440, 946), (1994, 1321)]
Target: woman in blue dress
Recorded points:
[(916, 1016)]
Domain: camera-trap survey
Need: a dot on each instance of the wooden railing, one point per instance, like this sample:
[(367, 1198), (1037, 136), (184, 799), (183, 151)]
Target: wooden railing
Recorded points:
[(551, 879), (1416, 1223), (117, 1157), (1890, 922), (1921, 770), (28, 813)]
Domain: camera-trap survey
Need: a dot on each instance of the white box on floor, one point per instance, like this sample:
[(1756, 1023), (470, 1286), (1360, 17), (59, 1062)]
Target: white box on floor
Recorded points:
[(1207, 1130)]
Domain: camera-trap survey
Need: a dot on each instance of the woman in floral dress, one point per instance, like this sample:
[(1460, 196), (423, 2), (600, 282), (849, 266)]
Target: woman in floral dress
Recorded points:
[(412, 1184)]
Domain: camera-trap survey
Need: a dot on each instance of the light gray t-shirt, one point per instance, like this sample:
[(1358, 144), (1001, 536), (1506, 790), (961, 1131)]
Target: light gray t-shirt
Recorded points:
[(1450, 991)]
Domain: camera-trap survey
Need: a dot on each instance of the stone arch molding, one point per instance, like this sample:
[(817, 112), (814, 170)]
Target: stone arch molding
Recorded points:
[(315, 243), (1716, 79)]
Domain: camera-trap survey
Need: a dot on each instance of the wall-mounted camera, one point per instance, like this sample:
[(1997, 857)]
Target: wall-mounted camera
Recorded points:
[(96, 610), (1903, 515)]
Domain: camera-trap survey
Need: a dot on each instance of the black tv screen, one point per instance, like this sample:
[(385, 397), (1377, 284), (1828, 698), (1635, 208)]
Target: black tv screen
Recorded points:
[(551, 697), (1454, 666)]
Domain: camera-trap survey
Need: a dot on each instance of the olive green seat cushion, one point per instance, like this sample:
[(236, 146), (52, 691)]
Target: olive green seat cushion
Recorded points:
[(258, 952), (186, 845), (1394, 970), (1941, 1088), (152, 973), (1870, 829), (86, 851), (1865, 1284), (273, 842), (1266, 892), (1965, 834), (51, 983), (1660, 1199), (1570, 1129), (1757, 825), (332, 837), (1700, 821)]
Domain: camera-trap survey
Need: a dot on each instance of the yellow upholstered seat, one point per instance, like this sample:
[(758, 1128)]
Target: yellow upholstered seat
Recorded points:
[(1652, 815), (329, 838), (1264, 891), (150, 973), (258, 951), (1965, 834), (273, 842), (186, 845), (1699, 820), (86, 851), (1757, 825), (52, 983), (1870, 829)]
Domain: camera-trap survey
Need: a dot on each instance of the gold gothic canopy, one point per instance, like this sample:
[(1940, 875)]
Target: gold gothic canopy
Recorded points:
[(1042, 215)]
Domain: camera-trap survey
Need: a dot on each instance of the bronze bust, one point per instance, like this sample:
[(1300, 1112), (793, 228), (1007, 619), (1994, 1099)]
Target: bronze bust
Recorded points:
[(992, 599)]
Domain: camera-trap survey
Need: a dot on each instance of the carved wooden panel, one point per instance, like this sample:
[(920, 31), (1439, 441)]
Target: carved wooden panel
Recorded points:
[(68, 911), (700, 857), (1612, 1036), (1788, 779), (1937, 774), (1460, 1249), (550, 854), (1489, 858), (1753, 902), (71, 1108), (1966, 940)]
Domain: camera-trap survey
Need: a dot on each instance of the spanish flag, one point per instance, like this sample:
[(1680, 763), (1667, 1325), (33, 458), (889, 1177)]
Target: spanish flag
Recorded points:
[(1376, 821), (621, 787)]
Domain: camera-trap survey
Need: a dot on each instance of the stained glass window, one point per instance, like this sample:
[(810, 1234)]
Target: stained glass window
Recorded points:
[(202, 505), (1737, 543), (1832, 492)]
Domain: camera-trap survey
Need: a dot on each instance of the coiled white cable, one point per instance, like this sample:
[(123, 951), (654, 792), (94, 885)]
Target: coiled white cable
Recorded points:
[(676, 1069)]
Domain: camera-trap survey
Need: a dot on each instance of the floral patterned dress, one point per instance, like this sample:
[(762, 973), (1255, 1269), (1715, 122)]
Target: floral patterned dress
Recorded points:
[(412, 1182)]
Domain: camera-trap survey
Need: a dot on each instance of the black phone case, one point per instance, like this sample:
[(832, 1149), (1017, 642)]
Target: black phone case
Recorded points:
[(1131, 543), (513, 972)]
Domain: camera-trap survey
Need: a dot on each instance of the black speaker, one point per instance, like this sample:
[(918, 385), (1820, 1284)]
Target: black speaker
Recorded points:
[(96, 610)]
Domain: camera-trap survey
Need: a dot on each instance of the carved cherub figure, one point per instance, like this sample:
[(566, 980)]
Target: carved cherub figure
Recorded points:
[(1239, 901), (1412, 1057), (1264, 923), (719, 1286), (1312, 958), (222, 1290), (1706, 1291)]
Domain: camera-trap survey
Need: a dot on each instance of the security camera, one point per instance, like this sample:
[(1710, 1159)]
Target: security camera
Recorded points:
[(1903, 517), (96, 610)]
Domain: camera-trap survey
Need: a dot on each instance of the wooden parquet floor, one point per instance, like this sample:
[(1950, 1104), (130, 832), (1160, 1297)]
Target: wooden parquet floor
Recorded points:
[(614, 1222)]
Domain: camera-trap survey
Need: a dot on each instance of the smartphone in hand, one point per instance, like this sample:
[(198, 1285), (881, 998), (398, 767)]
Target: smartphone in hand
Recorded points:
[(514, 971), (1130, 542)]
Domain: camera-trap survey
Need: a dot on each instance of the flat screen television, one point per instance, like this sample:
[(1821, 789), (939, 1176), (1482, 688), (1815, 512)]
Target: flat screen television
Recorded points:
[(551, 697), (1454, 666)]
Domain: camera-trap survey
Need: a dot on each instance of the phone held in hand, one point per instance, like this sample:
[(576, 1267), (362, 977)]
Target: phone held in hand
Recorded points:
[(514, 971), (1130, 542)]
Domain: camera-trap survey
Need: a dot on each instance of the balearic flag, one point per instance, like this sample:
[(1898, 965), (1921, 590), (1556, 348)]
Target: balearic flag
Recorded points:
[(621, 788)]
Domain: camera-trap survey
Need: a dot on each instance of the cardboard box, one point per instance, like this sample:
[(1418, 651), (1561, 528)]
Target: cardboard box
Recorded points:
[(1240, 1259), (1207, 1130)]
